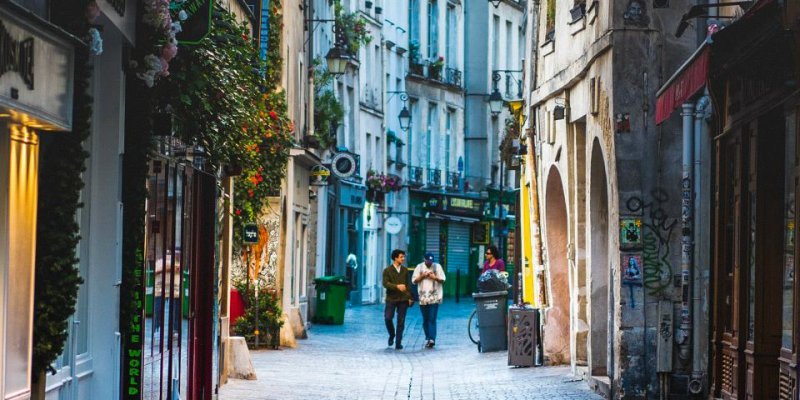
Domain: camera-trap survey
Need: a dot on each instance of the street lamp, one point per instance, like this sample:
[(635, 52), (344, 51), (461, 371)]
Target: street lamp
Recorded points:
[(405, 116), (337, 60), (405, 119), (496, 102)]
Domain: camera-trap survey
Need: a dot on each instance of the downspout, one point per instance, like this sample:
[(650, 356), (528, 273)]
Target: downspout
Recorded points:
[(702, 112), (683, 336)]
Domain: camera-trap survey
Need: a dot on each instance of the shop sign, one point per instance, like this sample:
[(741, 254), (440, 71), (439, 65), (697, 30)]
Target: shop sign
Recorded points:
[(319, 175), (351, 196), (36, 75), (344, 165), (462, 205), (393, 225), (250, 234), (198, 24)]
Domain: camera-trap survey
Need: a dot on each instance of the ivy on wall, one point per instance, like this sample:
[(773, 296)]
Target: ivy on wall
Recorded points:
[(328, 112), (62, 161)]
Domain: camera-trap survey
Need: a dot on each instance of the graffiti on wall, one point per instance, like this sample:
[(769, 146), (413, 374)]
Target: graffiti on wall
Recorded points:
[(657, 228), (630, 233), (631, 273)]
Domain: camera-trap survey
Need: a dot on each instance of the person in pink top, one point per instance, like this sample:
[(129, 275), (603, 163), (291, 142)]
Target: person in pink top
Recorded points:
[(492, 260)]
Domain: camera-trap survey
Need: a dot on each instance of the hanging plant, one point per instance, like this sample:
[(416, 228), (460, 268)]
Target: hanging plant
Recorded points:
[(328, 112), (352, 28), (161, 46), (383, 183), (225, 98)]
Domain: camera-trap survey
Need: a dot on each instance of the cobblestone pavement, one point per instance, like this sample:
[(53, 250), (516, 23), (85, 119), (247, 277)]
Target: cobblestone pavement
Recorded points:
[(352, 361)]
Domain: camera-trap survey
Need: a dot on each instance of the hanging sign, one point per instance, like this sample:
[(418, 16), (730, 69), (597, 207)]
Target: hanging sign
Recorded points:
[(393, 225), (250, 234), (195, 20), (320, 175), (344, 165)]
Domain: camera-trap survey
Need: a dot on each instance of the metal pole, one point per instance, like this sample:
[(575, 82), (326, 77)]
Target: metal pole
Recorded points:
[(458, 285)]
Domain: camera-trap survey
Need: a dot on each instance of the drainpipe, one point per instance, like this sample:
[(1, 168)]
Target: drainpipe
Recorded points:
[(699, 334), (682, 337)]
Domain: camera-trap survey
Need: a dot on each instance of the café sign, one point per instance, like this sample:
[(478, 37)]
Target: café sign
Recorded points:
[(36, 72)]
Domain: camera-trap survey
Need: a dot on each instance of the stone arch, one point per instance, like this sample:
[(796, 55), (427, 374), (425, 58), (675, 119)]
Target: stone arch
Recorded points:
[(599, 270), (557, 318)]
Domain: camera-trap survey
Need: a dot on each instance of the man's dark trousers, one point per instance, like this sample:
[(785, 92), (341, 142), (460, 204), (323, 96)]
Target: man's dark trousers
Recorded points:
[(429, 313), (388, 315)]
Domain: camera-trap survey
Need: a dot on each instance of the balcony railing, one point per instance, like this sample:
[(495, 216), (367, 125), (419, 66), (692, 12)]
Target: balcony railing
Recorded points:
[(434, 177), (425, 69), (452, 77), (453, 180), (415, 176)]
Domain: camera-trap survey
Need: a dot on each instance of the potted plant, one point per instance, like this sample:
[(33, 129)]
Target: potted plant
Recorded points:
[(435, 68)]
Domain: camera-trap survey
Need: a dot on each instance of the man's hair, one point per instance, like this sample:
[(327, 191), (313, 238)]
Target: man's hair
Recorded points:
[(396, 253)]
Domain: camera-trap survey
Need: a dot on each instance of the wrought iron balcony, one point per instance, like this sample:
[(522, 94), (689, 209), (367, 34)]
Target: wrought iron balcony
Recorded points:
[(453, 180), (415, 176), (434, 177), (452, 77)]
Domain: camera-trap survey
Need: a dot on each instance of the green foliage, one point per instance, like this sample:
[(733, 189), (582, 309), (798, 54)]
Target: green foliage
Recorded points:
[(269, 316), (328, 112), (62, 160), (551, 14), (507, 151), (225, 98), (352, 27)]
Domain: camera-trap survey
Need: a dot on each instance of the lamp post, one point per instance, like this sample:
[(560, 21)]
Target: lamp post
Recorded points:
[(337, 59)]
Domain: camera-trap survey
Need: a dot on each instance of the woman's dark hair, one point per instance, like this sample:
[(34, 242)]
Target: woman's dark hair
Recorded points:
[(493, 249), (396, 253)]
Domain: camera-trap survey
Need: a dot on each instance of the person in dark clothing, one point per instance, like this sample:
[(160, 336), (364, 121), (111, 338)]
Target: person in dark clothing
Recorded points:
[(398, 297)]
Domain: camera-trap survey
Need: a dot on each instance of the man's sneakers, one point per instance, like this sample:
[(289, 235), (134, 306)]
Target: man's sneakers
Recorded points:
[(398, 347), (429, 344), (391, 341)]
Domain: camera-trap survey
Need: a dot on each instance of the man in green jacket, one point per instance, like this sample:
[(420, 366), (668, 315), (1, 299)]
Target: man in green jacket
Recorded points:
[(398, 296)]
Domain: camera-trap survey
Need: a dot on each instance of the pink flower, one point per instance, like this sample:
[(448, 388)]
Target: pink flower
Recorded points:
[(168, 52), (164, 67)]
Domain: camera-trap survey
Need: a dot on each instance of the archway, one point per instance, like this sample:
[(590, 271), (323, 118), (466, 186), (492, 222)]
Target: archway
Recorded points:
[(557, 319), (599, 264)]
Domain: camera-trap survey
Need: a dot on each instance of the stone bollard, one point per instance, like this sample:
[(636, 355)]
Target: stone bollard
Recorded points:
[(240, 363)]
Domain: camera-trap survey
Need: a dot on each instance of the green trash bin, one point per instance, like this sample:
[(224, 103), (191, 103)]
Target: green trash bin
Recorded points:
[(331, 297)]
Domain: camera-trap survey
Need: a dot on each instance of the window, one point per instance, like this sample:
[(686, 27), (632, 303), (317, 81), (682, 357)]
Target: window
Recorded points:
[(507, 46), (447, 139), (433, 29), (451, 50), (495, 41), (413, 20), (550, 22), (432, 120)]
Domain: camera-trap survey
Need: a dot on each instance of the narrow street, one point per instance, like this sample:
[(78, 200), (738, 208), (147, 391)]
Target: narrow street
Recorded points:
[(352, 361)]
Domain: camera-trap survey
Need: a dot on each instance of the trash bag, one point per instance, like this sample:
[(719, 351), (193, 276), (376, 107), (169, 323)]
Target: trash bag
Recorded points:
[(493, 281)]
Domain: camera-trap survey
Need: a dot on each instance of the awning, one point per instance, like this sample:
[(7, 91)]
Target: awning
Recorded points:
[(455, 218), (690, 78)]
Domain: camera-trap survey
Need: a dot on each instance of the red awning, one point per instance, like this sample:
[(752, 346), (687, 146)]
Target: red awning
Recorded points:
[(689, 79)]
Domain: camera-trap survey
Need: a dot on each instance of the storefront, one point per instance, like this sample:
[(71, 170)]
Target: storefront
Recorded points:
[(753, 79), (35, 96), (176, 338), (451, 228), (345, 253)]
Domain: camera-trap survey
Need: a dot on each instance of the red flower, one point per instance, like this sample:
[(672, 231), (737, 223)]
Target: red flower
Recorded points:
[(273, 115), (250, 193), (244, 37), (238, 212)]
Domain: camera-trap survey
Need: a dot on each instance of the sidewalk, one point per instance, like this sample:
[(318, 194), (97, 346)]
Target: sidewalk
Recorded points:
[(352, 361)]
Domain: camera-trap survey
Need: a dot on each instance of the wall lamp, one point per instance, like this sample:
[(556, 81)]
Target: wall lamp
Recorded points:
[(405, 116)]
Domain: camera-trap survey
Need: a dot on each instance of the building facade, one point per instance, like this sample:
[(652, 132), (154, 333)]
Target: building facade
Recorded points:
[(617, 295)]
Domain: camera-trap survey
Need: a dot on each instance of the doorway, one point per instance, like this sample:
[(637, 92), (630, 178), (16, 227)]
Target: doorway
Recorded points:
[(557, 316)]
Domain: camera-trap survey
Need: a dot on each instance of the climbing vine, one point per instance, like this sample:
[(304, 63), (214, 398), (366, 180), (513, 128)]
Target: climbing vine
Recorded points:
[(62, 163)]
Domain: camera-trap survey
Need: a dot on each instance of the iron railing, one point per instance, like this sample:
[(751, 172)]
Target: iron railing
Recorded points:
[(415, 176), (434, 177), (453, 180)]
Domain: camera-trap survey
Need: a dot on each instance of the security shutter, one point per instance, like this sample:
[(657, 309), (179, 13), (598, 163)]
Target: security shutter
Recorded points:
[(432, 238), (458, 247)]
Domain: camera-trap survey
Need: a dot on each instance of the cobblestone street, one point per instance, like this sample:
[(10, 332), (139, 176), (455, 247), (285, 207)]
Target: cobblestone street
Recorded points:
[(353, 362)]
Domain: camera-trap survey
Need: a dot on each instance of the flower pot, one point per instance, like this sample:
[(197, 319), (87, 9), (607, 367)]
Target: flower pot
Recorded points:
[(368, 4), (375, 196)]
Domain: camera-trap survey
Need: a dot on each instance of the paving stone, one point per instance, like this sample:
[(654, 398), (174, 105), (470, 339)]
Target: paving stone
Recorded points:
[(352, 361)]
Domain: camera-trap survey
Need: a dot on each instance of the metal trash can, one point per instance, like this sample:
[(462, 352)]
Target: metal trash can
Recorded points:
[(331, 298), (523, 335), (492, 309)]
